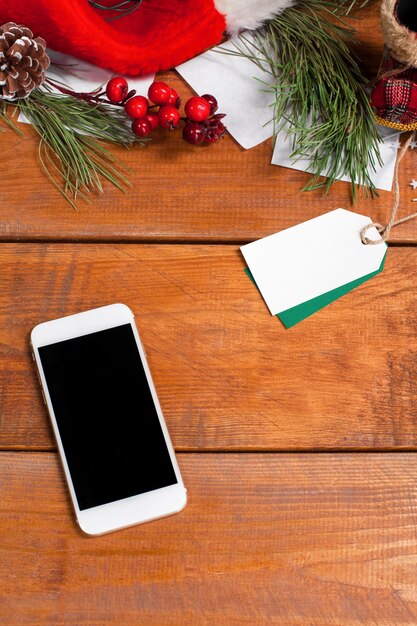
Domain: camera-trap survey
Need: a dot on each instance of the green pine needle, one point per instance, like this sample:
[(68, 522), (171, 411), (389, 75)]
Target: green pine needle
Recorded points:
[(71, 148), (319, 90), (8, 119), (344, 7)]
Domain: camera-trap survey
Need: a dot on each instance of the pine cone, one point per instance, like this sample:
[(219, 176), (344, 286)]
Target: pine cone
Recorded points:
[(23, 61)]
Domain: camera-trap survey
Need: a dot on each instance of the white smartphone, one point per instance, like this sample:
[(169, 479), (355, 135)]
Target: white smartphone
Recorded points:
[(114, 445)]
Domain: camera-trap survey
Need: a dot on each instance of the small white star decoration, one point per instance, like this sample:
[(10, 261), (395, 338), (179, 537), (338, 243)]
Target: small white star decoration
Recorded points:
[(413, 144), (394, 144)]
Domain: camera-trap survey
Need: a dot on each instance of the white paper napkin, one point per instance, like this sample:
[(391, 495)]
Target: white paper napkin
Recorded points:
[(382, 177), (232, 81)]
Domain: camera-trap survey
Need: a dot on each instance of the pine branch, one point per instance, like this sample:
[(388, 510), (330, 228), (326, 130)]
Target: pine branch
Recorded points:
[(319, 90), (71, 134)]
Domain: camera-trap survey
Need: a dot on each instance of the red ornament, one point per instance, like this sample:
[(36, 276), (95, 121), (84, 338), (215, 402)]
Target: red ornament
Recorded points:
[(136, 107), (197, 109), (159, 92), (117, 89), (169, 116), (141, 127)]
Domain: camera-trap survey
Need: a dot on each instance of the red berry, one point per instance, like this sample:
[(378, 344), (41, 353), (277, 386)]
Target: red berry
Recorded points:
[(152, 119), (116, 89), (174, 99), (136, 107), (214, 130), (169, 116), (212, 102), (159, 92), (197, 109), (141, 127), (193, 133)]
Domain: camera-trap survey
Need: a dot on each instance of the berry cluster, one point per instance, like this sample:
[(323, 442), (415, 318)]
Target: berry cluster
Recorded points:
[(201, 122)]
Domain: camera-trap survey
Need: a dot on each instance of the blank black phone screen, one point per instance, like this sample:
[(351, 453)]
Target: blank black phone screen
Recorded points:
[(108, 423)]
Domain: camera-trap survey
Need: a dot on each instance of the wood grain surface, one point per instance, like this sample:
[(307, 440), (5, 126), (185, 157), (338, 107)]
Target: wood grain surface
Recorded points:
[(217, 193), (289, 521), (287, 539), (229, 375)]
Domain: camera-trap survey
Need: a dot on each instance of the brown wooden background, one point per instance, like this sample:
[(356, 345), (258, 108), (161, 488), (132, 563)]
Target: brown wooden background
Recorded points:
[(297, 446)]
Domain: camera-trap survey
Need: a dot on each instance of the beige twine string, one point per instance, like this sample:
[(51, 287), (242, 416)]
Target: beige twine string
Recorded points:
[(384, 231)]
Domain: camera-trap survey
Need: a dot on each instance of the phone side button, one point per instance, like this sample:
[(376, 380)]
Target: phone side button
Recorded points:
[(43, 396)]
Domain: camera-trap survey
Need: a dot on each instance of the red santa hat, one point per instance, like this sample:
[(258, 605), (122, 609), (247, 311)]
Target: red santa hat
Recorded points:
[(159, 35)]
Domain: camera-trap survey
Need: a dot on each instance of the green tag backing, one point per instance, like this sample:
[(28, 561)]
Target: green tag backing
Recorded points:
[(296, 314)]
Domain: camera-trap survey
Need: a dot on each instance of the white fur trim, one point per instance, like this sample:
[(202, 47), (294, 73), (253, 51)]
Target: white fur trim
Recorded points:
[(401, 41), (249, 14)]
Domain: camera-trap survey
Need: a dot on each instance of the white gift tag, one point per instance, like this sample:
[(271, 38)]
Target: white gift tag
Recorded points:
[(232, 80), (308, 260)]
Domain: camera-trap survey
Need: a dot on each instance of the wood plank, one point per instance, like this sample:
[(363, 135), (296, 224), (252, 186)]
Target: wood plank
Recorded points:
[(221, 193), (229, 375), (310, 540)]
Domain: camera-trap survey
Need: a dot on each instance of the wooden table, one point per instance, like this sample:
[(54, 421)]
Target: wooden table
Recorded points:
[(298, 447)]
